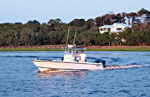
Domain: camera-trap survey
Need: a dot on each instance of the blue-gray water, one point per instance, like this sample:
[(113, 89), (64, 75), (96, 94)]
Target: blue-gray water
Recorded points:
[(19, 79)]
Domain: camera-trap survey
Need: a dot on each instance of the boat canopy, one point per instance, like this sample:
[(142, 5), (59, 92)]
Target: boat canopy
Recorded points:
[(75, 48)]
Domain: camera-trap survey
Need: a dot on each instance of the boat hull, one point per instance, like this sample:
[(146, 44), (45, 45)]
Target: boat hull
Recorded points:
[(44, 65)]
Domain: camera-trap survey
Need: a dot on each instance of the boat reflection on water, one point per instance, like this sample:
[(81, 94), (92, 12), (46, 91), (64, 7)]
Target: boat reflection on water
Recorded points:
[(60, 73)]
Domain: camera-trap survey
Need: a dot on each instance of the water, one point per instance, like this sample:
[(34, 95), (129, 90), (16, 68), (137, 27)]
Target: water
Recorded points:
[(19, 79)]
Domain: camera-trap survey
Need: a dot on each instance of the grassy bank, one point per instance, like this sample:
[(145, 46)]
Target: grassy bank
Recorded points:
[(126, 48), (121, 49), (30, 49)]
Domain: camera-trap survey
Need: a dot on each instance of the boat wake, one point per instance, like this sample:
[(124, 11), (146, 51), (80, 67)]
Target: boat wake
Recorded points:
[(113, 67)]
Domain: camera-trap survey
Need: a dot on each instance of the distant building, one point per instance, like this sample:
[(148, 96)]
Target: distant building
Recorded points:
[(115, 28)]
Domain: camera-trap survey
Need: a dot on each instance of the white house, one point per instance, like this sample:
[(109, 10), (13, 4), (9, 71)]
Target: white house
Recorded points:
[(116, 27)]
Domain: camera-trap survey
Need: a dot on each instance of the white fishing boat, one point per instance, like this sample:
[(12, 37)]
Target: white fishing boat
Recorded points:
[(68, 62)]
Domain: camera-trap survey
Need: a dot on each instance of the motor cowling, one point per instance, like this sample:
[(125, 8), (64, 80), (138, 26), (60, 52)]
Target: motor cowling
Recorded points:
[(100, 61)]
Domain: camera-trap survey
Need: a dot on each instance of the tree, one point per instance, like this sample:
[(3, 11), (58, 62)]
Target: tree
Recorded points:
[(129, 16), (77, 22), (33, 22), (88, 24), (18, 23), (119, 17), (98, 21), (132, 14), (55, 32), (123, 17), (147, 16), (106, 38), (113, 38), (36, 22), (137, 20), (103, 20), (51, 23), (30, 22), (142, 11), (58, 20)]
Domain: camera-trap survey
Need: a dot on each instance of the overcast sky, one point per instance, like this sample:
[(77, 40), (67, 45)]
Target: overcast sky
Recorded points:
[(43, 10)]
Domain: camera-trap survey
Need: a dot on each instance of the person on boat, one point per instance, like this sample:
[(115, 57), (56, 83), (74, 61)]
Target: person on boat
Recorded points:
[(69, 52), (77, 56), (83, 56)]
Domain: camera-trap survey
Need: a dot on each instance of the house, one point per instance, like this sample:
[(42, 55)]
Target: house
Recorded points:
[(116, 27)]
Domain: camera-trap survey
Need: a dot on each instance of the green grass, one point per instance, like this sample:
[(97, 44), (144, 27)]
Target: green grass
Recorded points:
[(121, 49), (30, 49), (90, 49)]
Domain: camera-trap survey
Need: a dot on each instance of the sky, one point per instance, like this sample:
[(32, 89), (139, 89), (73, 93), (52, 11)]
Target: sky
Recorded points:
[(67, 10)]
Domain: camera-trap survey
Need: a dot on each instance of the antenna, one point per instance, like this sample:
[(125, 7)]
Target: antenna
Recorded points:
[(67, 39), (74, 40), (74, 37)]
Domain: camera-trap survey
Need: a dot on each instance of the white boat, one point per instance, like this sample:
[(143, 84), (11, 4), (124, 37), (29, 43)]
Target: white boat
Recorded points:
[(52, 65), (68, 62)]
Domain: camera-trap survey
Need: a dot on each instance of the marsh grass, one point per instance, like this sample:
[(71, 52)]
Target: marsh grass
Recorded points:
[(147, 48), (30, 49), (121, 49)]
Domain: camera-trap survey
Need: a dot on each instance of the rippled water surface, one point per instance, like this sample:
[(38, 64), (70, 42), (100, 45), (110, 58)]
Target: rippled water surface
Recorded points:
[(19, 79)]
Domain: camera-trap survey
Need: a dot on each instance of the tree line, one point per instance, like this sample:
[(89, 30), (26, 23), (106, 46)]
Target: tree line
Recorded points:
[(54, 32)]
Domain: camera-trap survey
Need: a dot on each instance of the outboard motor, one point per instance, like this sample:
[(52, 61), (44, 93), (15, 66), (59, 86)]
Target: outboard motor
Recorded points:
[(100, 61)]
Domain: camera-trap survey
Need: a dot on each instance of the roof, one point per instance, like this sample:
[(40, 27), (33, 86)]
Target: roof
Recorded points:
[(122, 24), (107, 26)]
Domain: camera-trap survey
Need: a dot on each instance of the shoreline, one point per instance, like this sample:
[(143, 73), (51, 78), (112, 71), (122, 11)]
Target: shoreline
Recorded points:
[(88, 48)]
